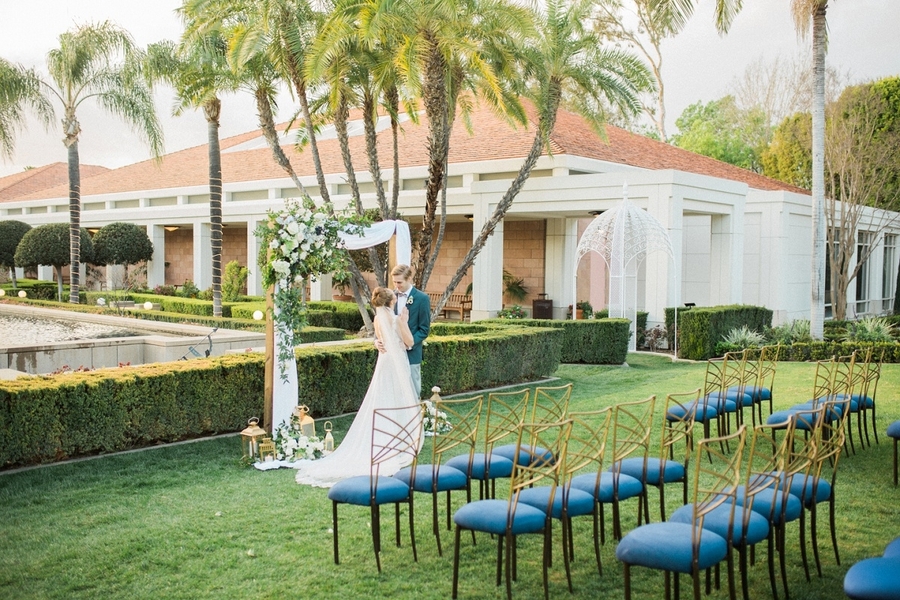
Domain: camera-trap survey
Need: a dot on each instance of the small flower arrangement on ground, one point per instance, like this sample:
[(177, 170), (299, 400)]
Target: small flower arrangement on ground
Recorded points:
[(291, 445), (513, 312), (434, 421)]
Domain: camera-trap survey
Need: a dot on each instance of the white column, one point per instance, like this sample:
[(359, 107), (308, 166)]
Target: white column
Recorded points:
[(662, 273), (45, 273), (559, 260), (202, 255), (156, 268), (115, 277), (320, 289), (487, 272), (254, 281)]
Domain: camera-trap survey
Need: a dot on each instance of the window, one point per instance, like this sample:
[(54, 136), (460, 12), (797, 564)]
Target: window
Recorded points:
[(864, 239), (887, 272)]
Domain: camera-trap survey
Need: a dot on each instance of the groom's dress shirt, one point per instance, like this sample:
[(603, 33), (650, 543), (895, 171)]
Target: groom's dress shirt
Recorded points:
[(401, 300)]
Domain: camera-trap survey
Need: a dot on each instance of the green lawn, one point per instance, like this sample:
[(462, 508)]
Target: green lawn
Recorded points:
[(188, 521)]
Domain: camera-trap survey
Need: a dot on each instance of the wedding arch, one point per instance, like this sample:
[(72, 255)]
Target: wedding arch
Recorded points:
[(624, 236), (301, 243)]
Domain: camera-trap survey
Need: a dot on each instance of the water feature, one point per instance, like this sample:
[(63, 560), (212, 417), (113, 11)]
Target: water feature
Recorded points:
[(21, 330)]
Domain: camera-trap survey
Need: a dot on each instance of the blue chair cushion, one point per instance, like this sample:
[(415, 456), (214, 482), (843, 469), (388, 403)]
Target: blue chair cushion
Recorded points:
[(893, 430), (858, 401), (577, 502), (527, 455), (892, 550), (657, 473), (804, 419), (716, 520), (358, 490), (668, 546), (722, 404), (491, 516), (499, 466), (758, 393), (735, 393), (833, 412), (433, 480), (802, 487), (873, 579), (769, 504), (628, 486), (705, 412)]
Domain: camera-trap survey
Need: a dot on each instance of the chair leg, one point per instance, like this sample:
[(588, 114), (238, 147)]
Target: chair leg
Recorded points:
[(434, 519), (334, 529), (376, 534), (771, 561), (837, 557), (803, 557), (626, 572), (895, 462), (455, 561), (597, 539), (509, 563), (874, 430), (412, 529), (499, 558), (813, 536)]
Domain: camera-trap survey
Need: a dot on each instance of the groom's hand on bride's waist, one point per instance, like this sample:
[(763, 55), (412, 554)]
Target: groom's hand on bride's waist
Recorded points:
[(379, 345)]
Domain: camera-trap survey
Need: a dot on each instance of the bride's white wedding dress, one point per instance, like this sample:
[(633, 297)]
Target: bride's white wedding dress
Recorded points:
[(390, 387)]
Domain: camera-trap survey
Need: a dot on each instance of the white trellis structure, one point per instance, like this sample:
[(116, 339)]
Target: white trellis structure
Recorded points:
[(624, 236)]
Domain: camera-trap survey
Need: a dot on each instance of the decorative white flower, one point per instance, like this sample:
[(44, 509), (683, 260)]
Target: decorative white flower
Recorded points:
[(292, 227), (282, 267)]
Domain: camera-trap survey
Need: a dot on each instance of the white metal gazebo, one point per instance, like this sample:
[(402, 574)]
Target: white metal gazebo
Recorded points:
[(624, 236)]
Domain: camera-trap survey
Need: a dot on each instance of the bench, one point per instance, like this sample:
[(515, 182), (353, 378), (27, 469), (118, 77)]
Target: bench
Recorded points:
[(456, 303)]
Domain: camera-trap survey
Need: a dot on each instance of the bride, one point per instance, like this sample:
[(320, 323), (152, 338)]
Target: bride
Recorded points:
[(391, 387)]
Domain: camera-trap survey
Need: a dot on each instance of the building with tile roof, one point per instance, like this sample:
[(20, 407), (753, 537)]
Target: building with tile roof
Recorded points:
[(737, 236)]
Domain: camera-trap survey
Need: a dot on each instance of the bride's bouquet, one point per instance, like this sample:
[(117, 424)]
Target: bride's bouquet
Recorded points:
[(292, 445)]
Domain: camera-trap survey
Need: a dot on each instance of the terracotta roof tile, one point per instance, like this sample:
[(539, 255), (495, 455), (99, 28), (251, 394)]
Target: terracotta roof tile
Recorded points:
[(491, 138), (38, 179)]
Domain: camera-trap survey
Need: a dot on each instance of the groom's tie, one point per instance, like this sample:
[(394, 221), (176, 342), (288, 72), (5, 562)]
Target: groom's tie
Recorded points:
[(401, 297)]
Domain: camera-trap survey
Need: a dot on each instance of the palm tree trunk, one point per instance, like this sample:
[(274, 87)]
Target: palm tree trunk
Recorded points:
[(544, 129), (817, 300), (74, 219), (267, 125), (393, 101), (212, 110), (435, 100)]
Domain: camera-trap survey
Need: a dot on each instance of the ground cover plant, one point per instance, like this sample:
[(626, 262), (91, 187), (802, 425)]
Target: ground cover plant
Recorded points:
[(188, 521)]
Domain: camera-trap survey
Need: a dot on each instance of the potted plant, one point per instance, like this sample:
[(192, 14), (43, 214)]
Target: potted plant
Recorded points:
[(514, 287), (341, 282), (583, 310)]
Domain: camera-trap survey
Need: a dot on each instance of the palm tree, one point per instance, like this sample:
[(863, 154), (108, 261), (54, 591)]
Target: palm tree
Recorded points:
[(565, 62), (97, 61), (806, 14), (199, 72), (20, 88)]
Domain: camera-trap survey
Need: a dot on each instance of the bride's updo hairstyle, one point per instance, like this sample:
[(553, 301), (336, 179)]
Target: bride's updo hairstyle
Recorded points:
[(382, 296)]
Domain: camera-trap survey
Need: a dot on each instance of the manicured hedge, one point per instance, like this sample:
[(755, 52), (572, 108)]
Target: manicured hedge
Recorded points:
[(591, 341), (43, 419), (640, 326), (812, 351), (701, 328)]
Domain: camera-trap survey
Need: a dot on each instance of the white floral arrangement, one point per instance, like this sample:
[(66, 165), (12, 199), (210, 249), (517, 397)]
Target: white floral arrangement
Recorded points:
[(298, 244), (292, 445), (434, 421)]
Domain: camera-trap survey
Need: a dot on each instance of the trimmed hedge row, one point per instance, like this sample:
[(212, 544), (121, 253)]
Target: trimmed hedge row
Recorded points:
[(591, 341), (640, 326), (701, 328), (43, 419), (813, 351)]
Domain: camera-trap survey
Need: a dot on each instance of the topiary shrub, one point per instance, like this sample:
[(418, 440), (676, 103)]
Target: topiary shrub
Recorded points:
[(11, 233), (49, 245)]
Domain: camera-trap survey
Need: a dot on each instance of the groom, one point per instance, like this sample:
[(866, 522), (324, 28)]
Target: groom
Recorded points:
[(419, 307)]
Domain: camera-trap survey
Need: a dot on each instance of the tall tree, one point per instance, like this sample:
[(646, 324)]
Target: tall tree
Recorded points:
[(20, 89), (723, 131), (808, 15), (788, 157), (98, 61), (199, 72), (564, 59), (653, 25)]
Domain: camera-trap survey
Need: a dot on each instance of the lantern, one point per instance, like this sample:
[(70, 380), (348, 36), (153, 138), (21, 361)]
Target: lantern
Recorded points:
[(329, 440), (307, 425), (267, 450), (251, 438)]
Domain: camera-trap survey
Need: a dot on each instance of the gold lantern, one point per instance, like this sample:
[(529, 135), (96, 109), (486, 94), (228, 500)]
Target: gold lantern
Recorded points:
[(329, 439), (307, 425), (251, 438), (267, 450)]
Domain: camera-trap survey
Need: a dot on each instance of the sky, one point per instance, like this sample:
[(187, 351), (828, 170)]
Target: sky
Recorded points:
[(699, 65)]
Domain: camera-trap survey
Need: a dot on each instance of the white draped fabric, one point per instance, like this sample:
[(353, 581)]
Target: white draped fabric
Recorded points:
[(284, 394)]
